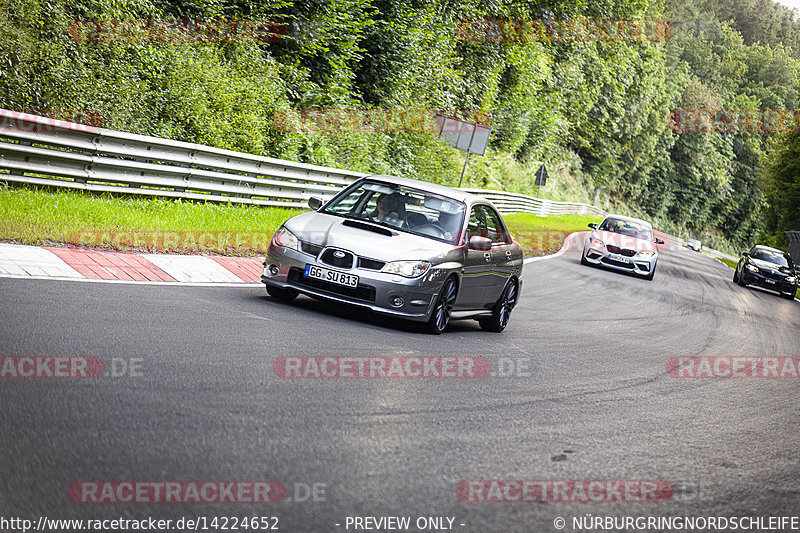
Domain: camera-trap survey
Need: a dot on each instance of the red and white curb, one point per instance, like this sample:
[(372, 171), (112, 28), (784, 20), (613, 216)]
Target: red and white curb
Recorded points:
[(19, 261)]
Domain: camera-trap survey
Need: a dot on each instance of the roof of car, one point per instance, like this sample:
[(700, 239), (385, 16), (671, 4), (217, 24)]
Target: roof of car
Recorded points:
[(630, 219), (425, 186)]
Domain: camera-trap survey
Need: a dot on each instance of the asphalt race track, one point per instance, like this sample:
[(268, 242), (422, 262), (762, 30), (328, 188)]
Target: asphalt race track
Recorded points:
[(579, 391)]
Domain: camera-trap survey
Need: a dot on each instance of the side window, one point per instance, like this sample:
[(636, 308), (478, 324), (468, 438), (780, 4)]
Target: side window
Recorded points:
[(477, 225), (494, 226)]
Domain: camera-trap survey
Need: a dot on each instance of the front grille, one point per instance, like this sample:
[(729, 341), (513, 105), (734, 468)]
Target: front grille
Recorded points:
[(608, 261), (772, 275), (622, 251), (370, 264), (364, 293), (313, 249), (329, 257)]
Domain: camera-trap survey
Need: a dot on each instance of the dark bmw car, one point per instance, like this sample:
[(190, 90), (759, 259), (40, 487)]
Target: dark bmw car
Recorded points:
[(768, 268)]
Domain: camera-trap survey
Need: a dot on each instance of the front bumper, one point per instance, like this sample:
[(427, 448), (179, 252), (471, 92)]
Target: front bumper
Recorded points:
[(766, 282), (375, 289), (636, 264)]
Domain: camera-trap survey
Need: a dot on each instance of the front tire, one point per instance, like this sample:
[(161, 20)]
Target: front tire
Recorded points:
[(502, 309), (736, 275), (440, 317), (286, 295), (741, 281)]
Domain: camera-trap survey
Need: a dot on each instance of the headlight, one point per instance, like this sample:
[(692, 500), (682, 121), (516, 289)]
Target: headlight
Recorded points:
[(791, 279), (287, 239), (647, 254), (751, 268), (408, 269), (596, 242)]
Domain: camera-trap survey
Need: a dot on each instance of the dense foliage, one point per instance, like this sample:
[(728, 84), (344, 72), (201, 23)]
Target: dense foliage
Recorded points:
[(596, 112)]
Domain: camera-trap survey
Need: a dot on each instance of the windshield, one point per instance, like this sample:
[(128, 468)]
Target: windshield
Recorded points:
[(770, 256), (402, 208), (626, 227)]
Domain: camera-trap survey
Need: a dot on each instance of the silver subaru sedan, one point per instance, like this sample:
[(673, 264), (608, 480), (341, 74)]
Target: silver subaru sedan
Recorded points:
[(404, 248)]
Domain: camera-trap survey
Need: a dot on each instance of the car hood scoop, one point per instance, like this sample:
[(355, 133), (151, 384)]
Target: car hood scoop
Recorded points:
[(364, 239), (369, 227)]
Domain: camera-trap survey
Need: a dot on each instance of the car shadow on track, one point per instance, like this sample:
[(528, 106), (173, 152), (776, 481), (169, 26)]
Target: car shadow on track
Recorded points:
[(324, 308)]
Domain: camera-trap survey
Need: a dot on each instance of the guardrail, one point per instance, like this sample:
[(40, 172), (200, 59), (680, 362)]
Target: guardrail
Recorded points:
[(37, 150), (41, 151), (509, 202)]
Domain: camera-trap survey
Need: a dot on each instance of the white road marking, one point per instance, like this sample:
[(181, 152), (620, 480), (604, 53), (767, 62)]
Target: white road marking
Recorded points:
[(21, 260), (564, 248), (192, 268)]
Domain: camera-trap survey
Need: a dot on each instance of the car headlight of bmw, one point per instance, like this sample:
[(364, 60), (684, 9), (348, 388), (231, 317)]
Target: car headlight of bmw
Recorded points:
[(287, 239), (791, 279), (596, 242), (407, 269), (647, 254), (752, 268)]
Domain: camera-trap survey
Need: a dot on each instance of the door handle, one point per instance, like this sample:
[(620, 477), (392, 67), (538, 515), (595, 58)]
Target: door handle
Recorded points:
[(487, 256)]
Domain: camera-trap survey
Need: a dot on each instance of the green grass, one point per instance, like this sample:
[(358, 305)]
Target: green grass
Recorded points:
[(68, 218), (141, 224), (544, 235), (732, 264)]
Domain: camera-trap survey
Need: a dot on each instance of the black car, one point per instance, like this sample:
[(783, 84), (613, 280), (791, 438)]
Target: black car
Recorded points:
[(768, 268)]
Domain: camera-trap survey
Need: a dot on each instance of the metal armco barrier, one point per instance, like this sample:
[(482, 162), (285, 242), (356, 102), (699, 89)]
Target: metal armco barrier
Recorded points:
[(42, 151), (509, 202)]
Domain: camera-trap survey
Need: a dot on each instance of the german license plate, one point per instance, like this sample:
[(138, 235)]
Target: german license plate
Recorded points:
[(769, 280), (620, 258), (334, 276)]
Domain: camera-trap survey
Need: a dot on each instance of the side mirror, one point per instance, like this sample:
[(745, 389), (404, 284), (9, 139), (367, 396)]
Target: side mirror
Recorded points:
[(658, 241), (315, 202), (476, 242), (745, 254), (593, 225)]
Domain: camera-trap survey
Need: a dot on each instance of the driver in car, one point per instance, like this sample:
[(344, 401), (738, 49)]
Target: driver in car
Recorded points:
[(389, 209)]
